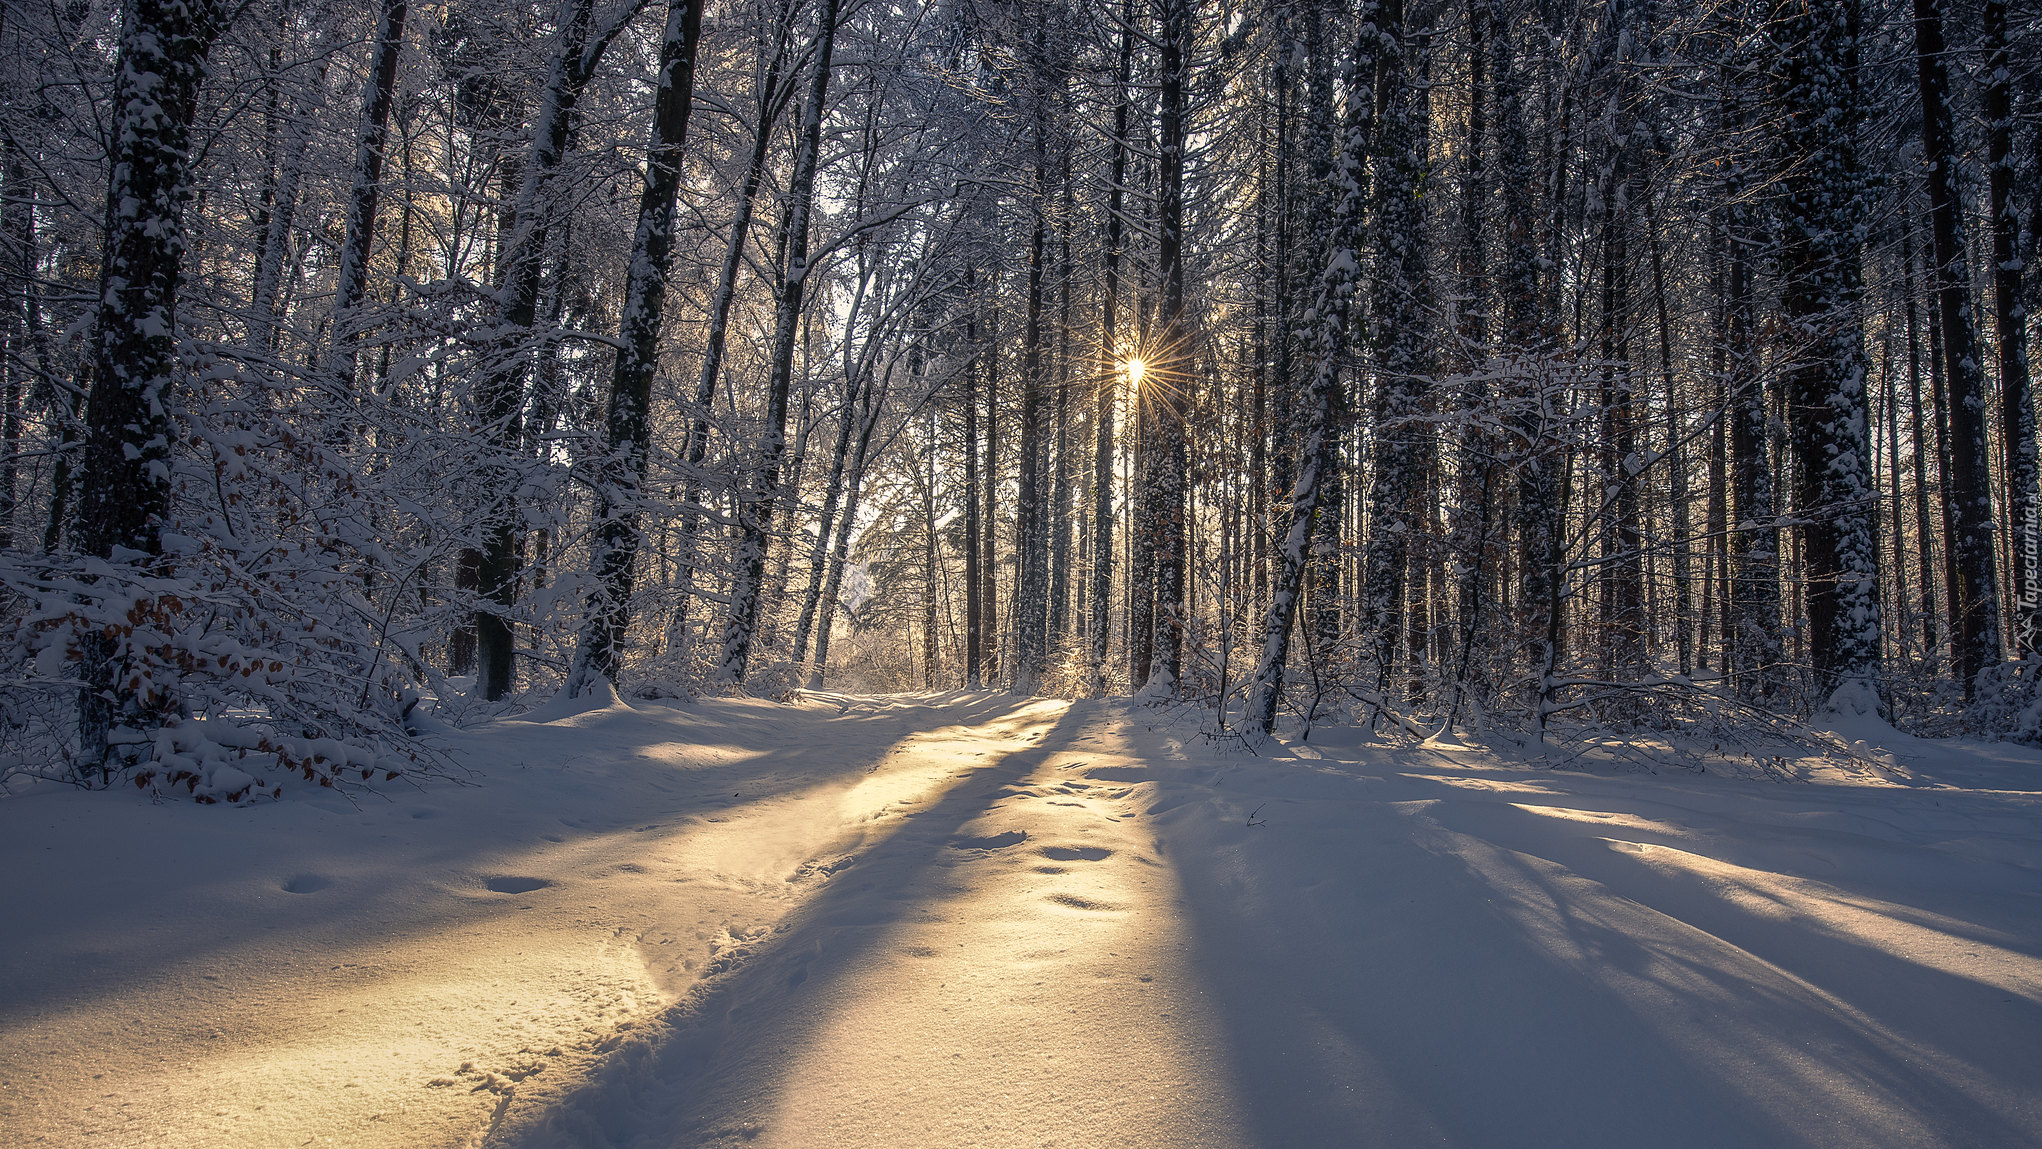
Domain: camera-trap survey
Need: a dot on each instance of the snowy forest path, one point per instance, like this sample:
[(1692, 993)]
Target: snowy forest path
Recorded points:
[(980, 919), (1096, 929), (1007, 965)]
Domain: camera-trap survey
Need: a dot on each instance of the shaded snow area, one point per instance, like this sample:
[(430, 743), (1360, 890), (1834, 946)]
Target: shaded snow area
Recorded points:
[(977, 920)]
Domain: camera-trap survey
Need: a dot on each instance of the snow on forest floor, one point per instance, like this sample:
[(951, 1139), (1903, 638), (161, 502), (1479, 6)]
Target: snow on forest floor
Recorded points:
[(980, 920)]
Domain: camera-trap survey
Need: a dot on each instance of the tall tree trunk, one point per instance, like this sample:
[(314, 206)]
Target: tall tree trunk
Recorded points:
[(1330, 332), (1172, 469), (1062, 478), (1473, 500), (1939, 399), (758, 503), (930, 578), (18, 334), (1115, 372), (1756, 656), (1676, 459), (770, 99), (1970, 495), (627, 425), (265, 303), (351, 280), (989, 522), (804, 627), (2010, 319), (1823, 204), (500, 394), (1919, 398), (1899, 630), (1400, 303), (854, 487), (125, 493), (1031, 542), (974, 610)]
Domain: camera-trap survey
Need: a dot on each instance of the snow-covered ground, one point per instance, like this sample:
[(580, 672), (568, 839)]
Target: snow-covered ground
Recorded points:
[(979, 920)]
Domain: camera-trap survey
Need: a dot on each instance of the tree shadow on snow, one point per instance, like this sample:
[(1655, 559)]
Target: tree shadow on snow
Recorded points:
[(715, 1058)]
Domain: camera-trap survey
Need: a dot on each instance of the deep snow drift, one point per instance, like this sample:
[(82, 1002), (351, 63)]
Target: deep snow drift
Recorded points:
[(974, 919)]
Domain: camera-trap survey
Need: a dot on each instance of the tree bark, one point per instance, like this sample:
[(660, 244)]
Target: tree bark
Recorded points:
[(500, 393), (352, 277), (1031, 542), (770, 100), (1823, 204), (125, 493), (2010, 323), (1970, 495), (1172, 467), (757, 503), (1400, 305), (1337, 283), (620, 474)]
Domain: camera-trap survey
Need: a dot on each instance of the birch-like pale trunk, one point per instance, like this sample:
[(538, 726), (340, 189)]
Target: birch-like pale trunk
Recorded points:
[(840, 554), (974, 612)]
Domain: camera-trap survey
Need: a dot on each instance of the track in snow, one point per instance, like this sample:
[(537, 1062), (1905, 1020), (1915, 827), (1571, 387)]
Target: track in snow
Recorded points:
[(1080, 940)]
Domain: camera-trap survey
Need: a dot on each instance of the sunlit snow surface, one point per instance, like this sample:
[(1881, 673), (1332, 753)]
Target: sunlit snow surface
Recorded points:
[(976, 920)]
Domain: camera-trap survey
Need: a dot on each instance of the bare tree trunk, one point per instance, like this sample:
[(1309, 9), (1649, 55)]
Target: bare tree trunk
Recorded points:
[(1172, 468), (770, 98), (1116, 371), (974, 608), (930, 580), (1823, 206), (2010, 321), (989, 522), (757, 503), (1031, 542), (1919, 397), (351, 280), (1970, 496), (500, 394), (1400, 306), (1063, 476), (125, 492), (840, 554), (804, 627), (1330, 332), (1756, 656), (628, 422), (265, 303), (1676, 459)]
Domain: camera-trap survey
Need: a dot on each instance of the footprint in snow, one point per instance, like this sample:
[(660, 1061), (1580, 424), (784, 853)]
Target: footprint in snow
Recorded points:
[(514, 884), (1077, 853), (1075, 902), (307, 884), (994, 842)]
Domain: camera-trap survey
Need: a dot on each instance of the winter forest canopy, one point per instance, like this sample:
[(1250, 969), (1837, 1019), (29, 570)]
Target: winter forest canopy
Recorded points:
[(1522, 365)]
